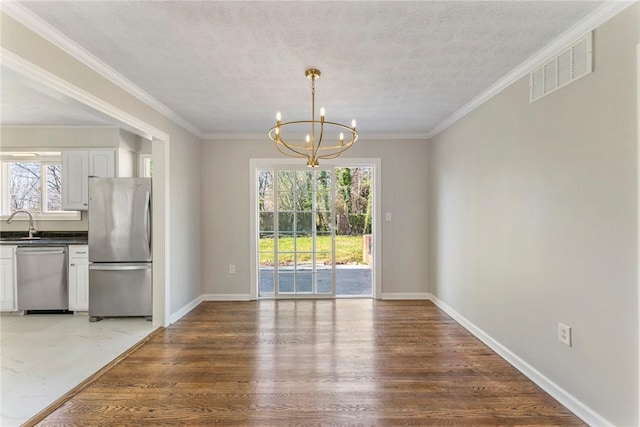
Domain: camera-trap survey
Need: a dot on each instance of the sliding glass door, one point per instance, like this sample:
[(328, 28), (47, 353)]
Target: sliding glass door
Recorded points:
[(296, 233)]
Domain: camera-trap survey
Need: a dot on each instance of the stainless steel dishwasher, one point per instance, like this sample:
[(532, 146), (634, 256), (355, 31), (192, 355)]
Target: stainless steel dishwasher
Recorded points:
[(42, 278)]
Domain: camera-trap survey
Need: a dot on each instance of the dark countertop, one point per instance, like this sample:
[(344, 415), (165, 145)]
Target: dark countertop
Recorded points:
[(47, 238), (43, 242)]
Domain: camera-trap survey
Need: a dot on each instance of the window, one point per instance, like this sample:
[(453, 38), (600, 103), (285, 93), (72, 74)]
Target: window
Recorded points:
[(33, 183), (145, 165)]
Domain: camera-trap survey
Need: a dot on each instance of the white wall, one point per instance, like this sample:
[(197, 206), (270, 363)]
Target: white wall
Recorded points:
[(533, 222), (186, 220), (48, 138), (127, 157), (226, 224)]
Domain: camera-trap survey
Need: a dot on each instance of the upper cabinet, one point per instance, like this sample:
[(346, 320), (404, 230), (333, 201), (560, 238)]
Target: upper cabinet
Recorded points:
[(75, 180), (102, 163), (77, 167)]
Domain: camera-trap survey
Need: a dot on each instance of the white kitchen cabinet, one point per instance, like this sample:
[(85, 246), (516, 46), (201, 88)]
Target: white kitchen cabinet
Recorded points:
[(8, 288), (75, 180), (102, 163), (77, 167), (78, 278)]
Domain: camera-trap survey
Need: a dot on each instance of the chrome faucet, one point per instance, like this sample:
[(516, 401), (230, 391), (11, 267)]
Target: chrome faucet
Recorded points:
[(32, 229)]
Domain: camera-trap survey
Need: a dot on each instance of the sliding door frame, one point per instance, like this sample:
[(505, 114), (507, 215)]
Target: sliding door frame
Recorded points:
[(257, 164)]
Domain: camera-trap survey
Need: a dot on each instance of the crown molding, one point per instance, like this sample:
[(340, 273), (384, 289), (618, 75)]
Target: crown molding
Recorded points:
[(234, 136), (401, 136), (596, 18), (59, 127), (49, 33), (259, 136)]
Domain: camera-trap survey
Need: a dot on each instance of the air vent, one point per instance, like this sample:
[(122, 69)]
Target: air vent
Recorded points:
[(566, 67)]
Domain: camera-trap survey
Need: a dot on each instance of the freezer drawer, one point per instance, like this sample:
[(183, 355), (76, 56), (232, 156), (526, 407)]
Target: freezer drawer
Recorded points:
[(42, 278), (119, 289)]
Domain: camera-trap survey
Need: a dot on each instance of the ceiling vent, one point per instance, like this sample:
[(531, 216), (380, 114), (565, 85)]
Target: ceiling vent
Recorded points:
[(566, 67)]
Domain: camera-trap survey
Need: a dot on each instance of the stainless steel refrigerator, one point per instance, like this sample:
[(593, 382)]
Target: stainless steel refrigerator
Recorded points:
[(120, 256)]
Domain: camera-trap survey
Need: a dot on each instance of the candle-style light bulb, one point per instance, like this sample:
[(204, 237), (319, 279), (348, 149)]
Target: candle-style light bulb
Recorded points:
[(353, 123), (278, 116), (308, 139), (322, 112), (341, 138)]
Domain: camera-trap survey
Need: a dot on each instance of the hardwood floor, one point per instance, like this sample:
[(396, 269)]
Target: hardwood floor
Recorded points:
[(325, 362)]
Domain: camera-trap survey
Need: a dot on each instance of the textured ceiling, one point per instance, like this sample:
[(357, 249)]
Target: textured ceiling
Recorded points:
[(397, 67)]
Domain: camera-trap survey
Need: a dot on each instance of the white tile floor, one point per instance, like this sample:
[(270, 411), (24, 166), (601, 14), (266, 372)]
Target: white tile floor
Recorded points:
[(43, 356)]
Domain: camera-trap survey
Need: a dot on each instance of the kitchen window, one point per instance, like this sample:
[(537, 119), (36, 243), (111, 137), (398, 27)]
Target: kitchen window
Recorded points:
[(33, 182), (145, 165)]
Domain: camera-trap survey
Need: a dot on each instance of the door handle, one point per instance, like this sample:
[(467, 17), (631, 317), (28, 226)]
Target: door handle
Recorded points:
[(119, 267)]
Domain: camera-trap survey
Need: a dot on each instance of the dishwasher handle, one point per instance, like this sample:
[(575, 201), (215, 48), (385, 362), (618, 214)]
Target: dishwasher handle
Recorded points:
[(39, 251)]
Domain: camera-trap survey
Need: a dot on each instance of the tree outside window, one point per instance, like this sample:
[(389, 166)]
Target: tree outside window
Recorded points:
[(33, 186)]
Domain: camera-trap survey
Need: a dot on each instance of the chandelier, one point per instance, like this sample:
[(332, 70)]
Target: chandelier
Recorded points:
[(312, 149)]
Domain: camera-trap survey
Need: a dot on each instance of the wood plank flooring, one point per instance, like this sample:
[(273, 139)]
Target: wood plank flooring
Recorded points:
[(343, 362)]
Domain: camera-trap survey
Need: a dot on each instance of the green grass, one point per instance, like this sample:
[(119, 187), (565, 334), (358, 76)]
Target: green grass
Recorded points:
[(348, 250)]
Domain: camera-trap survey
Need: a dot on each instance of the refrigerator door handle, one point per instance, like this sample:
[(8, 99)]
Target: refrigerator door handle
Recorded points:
[(115, 267), (148, 216)]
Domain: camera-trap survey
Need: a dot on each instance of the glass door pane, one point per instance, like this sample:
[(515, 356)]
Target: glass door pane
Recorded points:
[(353, 231), (266, 229), (296, 233)]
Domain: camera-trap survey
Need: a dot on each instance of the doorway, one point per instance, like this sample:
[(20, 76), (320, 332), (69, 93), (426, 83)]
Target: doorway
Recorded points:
[(314, 231)]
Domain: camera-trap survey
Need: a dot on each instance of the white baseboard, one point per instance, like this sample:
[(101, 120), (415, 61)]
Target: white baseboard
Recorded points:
[(400, 296), (585, 413), (184, 310), (226, 297)]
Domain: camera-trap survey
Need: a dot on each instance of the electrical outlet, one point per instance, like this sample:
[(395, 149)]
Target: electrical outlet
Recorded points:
[(232, 269), (387, 216), (564, 334)]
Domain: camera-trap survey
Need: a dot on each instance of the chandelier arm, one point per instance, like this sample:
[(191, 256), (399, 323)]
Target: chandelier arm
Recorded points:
[(290, 153), (303, 121), (290, 148), (339, 148), (282, 125), (278, 140), (334, 155), (349, 128), (354, 138), (315, 153)]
